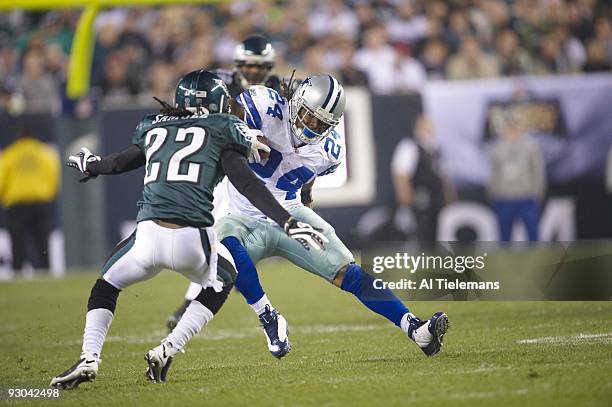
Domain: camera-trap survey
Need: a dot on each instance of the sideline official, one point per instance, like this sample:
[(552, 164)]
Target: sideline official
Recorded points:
[(29, 183)]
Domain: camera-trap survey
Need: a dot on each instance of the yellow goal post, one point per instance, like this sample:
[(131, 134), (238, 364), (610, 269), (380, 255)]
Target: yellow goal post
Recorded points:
[(81, 53)]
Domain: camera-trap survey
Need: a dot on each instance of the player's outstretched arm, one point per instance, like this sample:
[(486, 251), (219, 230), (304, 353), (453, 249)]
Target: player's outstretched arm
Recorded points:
[(244, 180), (92, 165)]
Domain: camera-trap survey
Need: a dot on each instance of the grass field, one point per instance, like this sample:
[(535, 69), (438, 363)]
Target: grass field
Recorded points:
[(502, 353)]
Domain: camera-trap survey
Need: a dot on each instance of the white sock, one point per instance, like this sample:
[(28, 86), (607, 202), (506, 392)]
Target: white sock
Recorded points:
[(193, 320), (260, 306), (193, 291), (405, 323), (97, 322)]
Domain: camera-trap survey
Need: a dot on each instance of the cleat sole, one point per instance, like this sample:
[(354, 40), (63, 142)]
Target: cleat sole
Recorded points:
[(442, 325), (75, 382)]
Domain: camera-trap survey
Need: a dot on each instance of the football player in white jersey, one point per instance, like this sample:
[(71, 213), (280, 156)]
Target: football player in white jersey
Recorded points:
[(301, 133), (175, 223)]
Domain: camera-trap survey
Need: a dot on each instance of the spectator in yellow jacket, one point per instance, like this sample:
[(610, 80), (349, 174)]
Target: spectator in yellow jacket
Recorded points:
[(29, 183)]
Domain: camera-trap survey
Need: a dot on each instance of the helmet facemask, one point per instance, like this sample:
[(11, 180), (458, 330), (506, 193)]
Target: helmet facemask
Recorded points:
[(315, 108), (251, 74), (310, 126)]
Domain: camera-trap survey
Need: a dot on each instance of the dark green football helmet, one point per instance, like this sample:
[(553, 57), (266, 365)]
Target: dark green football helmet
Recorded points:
[(202, 91), (254, 59)]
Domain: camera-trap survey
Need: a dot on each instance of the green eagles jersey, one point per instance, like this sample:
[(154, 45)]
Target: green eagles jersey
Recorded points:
[(183, 164)]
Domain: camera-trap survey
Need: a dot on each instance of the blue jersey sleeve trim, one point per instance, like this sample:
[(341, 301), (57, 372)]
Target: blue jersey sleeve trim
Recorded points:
[(247, 115), (253, 117), (240, 100)]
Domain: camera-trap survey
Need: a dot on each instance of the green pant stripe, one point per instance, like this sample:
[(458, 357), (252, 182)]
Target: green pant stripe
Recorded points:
[(224, 276), (226, 272), (122, 248), (205, 244)]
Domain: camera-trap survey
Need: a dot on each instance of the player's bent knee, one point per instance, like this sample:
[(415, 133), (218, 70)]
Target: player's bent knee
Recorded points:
[(213, 300), (232, 243), (103, 295), (339, 277), (351, 279)]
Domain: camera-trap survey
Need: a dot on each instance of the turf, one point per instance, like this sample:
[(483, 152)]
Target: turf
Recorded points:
[(515, 354)]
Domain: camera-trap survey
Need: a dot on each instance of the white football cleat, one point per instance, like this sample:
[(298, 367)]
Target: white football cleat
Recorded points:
[(159, 360), (85, 370), (277, 332), (429, 334)]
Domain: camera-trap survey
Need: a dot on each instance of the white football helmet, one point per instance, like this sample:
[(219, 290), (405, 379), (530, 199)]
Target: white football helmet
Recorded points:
[(316, 108)]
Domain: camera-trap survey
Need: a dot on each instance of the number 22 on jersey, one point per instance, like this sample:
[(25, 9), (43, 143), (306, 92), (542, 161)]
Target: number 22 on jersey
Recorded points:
[(156, 138)]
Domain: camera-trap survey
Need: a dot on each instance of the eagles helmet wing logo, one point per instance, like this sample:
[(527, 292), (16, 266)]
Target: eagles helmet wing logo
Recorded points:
[(221, 84)]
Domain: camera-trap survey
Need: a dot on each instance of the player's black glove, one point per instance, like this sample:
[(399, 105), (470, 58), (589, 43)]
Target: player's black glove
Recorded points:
[(80, 162), (305, 234)]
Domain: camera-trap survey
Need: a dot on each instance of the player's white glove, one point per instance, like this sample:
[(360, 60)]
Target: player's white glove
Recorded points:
[(80, 162), (256, 145), (307, 235)]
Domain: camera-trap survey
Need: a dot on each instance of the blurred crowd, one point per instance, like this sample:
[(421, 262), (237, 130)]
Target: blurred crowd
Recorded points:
[(390, 46)]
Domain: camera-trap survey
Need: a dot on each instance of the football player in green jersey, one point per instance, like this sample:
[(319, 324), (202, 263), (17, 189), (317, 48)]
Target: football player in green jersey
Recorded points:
[(254, 58), (187, 150)]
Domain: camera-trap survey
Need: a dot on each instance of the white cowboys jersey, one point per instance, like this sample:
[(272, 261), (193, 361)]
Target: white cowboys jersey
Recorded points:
[(287, 168)]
